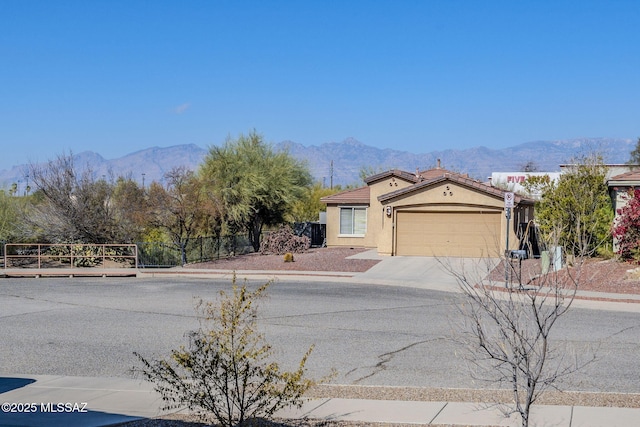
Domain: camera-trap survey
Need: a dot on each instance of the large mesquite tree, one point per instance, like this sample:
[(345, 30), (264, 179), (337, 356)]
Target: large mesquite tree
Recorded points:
[(256, 185)]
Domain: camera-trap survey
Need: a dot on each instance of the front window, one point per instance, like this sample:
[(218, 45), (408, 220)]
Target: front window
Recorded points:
[(353, 221)]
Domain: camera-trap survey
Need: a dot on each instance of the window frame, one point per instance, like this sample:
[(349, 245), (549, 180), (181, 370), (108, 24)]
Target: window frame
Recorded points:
[(353, 220)]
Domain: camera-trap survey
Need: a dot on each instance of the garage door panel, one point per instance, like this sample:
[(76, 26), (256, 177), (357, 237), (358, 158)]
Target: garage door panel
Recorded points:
[(463, 234)]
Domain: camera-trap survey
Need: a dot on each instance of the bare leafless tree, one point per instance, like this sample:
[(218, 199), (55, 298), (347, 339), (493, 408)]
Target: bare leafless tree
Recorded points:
[(180, 208), (529, 166), (506, 331), (131, 208), (73, 205)]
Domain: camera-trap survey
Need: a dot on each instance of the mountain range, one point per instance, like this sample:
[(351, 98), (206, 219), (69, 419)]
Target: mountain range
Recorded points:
[(340, 163)]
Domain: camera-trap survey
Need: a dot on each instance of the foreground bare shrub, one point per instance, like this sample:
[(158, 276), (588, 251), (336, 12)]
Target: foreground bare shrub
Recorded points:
[(227, 372), (505, 331)]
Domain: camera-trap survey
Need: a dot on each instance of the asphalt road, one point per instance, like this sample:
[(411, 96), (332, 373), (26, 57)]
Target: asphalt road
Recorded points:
[(372, 335)]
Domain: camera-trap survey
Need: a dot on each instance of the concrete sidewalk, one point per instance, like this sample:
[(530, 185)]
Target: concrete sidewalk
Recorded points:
[(43, 400), (458, 413), (47, 400)]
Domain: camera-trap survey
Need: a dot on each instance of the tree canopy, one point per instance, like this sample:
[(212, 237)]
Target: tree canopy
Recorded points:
[(179, 209), (75, 206), (309, 206), (256, 185), (10, 210), (576, 210)]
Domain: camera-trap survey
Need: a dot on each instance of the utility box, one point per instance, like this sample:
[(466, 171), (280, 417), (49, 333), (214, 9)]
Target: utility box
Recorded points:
[(518, 254), (545, 260)]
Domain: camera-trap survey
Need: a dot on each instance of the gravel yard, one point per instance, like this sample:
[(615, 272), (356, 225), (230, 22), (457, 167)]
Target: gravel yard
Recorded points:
[(595, 275), (315, 259)]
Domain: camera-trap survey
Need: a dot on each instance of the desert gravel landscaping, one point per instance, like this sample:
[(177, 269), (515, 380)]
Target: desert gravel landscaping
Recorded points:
[(315, 259), (597, 275)]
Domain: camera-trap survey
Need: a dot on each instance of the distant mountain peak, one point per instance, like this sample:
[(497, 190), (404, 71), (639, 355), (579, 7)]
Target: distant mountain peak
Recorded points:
[(341, 162), (353, 142)]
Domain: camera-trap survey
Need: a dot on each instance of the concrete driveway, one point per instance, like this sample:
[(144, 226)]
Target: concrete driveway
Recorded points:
[(420, 272)]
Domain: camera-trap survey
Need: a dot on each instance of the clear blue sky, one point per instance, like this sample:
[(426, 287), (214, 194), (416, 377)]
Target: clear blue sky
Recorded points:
[(119, 76)]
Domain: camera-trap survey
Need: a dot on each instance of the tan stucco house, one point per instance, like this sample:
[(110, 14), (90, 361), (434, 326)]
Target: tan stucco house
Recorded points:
[(430, 213)]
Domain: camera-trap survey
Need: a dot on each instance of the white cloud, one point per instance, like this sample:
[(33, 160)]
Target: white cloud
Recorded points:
[(182, 108)]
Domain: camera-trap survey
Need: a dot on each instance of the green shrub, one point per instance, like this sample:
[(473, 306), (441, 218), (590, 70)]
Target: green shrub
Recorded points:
[(226, 372)]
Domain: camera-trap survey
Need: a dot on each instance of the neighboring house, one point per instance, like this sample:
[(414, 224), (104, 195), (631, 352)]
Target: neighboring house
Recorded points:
[(514, 181), (620, 186), (620, 179), (430, 213)]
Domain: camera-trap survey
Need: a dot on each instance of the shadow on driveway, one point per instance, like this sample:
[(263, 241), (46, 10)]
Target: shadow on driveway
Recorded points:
[(9, 383)]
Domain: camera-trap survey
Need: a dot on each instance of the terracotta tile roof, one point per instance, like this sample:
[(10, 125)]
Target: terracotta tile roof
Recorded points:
[(438, 173), (457, 178), (359, 195), (421, 181), (412, 177), (627, 176), (393, 172)]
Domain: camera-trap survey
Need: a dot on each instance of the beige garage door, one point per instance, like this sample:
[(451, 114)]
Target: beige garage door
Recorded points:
[(460, 234)]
